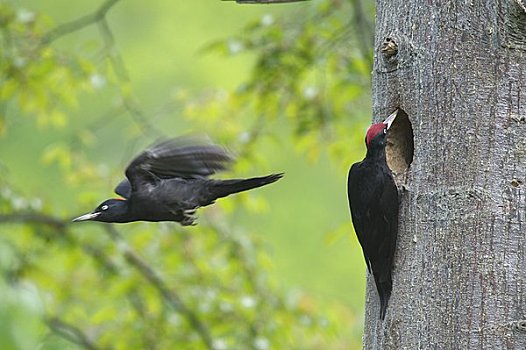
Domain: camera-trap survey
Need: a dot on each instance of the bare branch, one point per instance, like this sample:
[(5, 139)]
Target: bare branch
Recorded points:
[(57, 326), (157, 282), (34, 218), (121, 72), (78, 24), (71, 333), (61, 226), (132, 258), (99, 17)]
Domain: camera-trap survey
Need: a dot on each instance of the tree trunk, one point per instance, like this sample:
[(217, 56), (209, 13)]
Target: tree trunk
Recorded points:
[(458, 70)]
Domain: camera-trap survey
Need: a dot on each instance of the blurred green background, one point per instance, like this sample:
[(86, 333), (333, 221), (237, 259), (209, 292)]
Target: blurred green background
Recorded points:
[(285, 87)]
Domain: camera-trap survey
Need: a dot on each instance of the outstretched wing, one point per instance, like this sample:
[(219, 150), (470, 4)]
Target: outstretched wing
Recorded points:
[(185, 157)]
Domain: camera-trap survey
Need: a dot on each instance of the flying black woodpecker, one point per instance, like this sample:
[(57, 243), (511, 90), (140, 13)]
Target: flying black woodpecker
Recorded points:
[(373, 199), (170, 181)]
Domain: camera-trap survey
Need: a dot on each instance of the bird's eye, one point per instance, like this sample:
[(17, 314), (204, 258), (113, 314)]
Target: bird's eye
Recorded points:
[(385, 131), (104, 207)]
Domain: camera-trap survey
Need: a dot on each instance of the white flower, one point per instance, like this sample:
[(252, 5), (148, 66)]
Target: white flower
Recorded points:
[(267, 20), (25, 16), (261, 343), (97, 81), (235, 46), (310, 92), (248, 302), (219, 344)]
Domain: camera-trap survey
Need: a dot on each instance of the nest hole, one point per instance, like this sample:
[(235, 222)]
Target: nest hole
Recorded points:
[(400, 144)]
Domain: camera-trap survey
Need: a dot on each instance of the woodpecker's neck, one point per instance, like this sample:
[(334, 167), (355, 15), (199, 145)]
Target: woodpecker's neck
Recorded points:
[(375, 154)]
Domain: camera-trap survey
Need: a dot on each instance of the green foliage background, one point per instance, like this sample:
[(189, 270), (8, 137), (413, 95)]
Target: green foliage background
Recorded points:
[(83, 88)]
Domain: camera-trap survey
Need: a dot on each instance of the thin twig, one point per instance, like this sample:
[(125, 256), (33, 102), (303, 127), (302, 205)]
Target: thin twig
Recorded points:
[(170, 296), (250, 271), (71, 333), (61, 226), (99, 17), (78, 24), (34, 218), (57, 326), (123, 76)]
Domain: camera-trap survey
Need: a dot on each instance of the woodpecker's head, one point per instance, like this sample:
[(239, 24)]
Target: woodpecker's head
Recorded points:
[(377, 133), (111, 210)]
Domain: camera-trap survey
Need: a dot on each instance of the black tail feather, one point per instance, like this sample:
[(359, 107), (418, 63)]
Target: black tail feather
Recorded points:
[(225, 188), (384, 292)]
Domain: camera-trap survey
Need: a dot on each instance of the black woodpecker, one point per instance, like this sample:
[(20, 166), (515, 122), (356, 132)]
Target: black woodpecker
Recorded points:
[(373, 199), (170, 181)]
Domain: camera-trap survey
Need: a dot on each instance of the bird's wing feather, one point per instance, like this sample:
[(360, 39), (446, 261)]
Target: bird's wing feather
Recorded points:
[(374, 211), (373, 199), (185, 157), (389, 208), (359, 213), (124, 189)]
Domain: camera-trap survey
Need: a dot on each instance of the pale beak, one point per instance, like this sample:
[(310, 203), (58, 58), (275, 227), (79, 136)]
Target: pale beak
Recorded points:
[(390, 119), (88, 216)]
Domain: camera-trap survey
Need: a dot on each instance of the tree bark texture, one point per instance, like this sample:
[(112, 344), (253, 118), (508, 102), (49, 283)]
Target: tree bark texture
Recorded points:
[(458, 70)]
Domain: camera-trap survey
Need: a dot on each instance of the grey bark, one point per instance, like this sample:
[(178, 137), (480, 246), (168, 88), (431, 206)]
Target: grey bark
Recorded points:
[(458, 69)]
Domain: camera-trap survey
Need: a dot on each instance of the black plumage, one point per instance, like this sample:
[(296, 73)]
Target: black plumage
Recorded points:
[(170, 181), (373, 200)]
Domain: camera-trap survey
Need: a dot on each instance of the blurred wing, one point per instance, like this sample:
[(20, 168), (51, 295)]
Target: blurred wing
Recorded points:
[(185, 156), (124, 189)]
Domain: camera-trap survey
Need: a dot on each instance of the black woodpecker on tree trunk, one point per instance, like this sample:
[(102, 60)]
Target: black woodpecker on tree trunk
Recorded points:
[(373, 199), (170, 181)]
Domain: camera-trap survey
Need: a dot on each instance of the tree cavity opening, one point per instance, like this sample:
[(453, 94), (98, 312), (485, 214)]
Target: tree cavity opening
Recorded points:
[(400, 144)]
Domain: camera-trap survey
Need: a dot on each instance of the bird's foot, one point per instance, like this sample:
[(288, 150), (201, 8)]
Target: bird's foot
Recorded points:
[(189, 217)]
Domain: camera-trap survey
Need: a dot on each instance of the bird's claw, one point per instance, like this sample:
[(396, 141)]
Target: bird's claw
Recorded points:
[(189, 217)]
